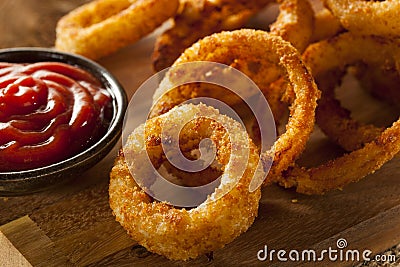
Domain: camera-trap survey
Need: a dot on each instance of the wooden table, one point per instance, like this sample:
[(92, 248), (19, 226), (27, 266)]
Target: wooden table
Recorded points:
[(73, 224)]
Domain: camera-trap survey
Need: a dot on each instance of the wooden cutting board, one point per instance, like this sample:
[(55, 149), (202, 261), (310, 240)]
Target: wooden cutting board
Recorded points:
[(72, 224)]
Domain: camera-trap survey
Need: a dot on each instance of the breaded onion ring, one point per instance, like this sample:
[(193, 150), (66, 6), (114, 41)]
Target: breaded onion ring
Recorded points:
[(367, 17), (101, 27), (295, 23), (334, 120), (264, 58), (326, 58), (181, 234), (197, 19)]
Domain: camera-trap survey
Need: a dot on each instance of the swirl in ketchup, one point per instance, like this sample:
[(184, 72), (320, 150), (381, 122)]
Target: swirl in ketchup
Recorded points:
[(49, 111)]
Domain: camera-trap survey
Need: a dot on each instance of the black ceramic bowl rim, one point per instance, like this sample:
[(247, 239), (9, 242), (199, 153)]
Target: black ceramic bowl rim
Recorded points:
[(22, 182)]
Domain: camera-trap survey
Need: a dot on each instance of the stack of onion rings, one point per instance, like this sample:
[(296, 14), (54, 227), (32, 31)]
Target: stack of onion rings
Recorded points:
[(274, 58), (101, 27), (202, 226)]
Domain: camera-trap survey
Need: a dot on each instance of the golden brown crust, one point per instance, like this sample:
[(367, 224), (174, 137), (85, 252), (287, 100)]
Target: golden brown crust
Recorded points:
[(335, 55), (274, 58), (326, 25), (197, 19), (101, 27), (295, 23), (367, 17), (182, 234)]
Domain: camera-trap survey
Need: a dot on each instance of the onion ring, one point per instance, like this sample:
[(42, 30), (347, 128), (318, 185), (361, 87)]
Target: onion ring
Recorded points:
[(273, 58), (295, 23), (334, 120), (197, 19), (325, 58), (367, 17), (181, 234), (101, 27)]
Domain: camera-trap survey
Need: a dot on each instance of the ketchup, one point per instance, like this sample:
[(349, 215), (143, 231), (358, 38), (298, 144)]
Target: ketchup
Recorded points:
[(49, 112)]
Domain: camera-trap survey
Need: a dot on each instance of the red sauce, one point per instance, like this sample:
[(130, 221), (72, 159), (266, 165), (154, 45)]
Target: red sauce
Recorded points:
[(48, 112)]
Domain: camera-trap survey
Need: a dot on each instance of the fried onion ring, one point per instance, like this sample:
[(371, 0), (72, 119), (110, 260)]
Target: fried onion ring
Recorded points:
[(197, 19), (181, 234), (326, 58), (101, 27), (334, 120), (367, 17), (295, 23), (273, 58)]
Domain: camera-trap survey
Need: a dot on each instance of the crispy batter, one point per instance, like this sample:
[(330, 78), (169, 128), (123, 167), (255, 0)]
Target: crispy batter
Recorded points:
[(274, 58), (326, 25), (182, 234), (225, 48), (101, 27), (334, 120), (333, 56), (197, 19), (295, 23), (367, 17)]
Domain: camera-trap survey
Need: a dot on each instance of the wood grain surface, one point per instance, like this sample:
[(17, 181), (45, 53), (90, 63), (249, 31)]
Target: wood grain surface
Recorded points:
[(10, 255), (73, 224)]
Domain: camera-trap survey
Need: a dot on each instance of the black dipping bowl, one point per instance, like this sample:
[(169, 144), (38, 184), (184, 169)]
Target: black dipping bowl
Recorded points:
[(29, 181)]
